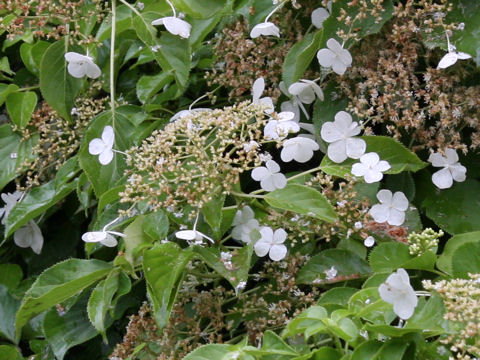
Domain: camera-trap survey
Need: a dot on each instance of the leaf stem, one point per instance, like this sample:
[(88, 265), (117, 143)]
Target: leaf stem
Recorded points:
[(251, 195), (112, 62)]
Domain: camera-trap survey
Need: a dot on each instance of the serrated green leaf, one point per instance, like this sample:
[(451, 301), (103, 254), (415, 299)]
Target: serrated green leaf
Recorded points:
[(20, 106), (8, 307), (149, 85)]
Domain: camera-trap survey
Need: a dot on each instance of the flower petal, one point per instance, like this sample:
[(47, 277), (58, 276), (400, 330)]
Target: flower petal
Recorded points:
[(108, 136), (382, 166), (76, 69), (336, 151), (387, 293), (355, 148), (326, 57), (177, 26), (265, 29), (345, 57), (268, 184), (449, 59), (96, 146), (379, 213), (94, 236), (343, 121), (437, 160), (109, 241), (75, 57), (279, 236), (452, 156), (272, 166), (442, 179), (358, 169), (463, 56), (260, 173), (334, 45), (105, 157), (288, 153), (458, 172), (261, 248), (330, 132), (372, 176), (279, 181), (400, 201), (396, 217), (319, 16), (92, 70), (267, 102), (385, 197), (186, 234), (339, 67), (277, 252), (257, 88)]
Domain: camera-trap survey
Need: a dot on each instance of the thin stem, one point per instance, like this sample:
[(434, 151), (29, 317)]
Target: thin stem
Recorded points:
[(120, 152), (173, 8), (234, 193), (131, 7), (273, 11), (28, 88), (112, 62)]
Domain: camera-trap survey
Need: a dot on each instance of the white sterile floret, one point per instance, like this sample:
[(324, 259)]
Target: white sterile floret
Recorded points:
[(452, 169), (29, 235), (104, 146), (340, 134), (174, 26), (80, 65), (299, 149), (396, 290), (369, 241), (243, 224), (10, 200), (269, 176), (391, 209), (336, 57), (370, 167), (271, 243), (104, 237), (265, 29), (257, 91), (305, 91), (193, 237), (280, 126), (319, 15), (451, 58)]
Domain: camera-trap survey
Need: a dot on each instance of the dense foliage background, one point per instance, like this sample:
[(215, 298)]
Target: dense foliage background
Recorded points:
[(240, 179)]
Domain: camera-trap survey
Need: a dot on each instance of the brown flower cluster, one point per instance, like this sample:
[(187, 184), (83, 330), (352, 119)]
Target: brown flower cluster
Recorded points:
[(241, 60), (52, 18), (58, 139), (428, 108), (462, 302), (195, 158)]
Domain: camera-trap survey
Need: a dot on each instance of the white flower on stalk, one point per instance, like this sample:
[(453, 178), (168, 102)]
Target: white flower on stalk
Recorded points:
[(452, 56), (305, 91), (452, 169), (269, 176), (193, 237), (280, 126), (29, 235), (174, 26), (271, 243), (104, 146), (10, 200), (340, 134), (244, 223), (391, 209), (265, 29), (319, 15), (257, 91), (299, 149), (336, 57), (396, 290), (369, 241), (80, 65), (104, 237), (370, 167)]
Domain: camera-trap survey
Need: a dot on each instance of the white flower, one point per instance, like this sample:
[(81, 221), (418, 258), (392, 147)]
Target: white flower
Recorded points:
[(140, 6), (452, 169), (391, 208), (281, 126), (264, 157), (257, 90), (104, 237), (80, 65), (340, 134), (269, 176), (251, 145), (243, 224), (370, 167), (265, 29), (193, 237), (174, 26), (271, 243), (369, 241), (10, 200), (319, 15), (396, 290), (29, 235), (331, 273), (305, 91), (299, 149), (104, 146), (336, 57), (451, 57)]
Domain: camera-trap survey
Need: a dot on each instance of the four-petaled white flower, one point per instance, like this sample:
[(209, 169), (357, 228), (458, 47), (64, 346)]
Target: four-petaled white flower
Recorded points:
[(29, 235), (452, 56), (265, 29), (80, 65), (104, 146), (269, 176), (193, 237), (10, 200), (396, 290), (452, 169), (271, 243), (243, 224), (370, 167), (300, 149), (340, 134), (283, 124), (104, 237), (174, 26), (305, 91), (336, 57), (319, 15), (391, 209), (257, 90)]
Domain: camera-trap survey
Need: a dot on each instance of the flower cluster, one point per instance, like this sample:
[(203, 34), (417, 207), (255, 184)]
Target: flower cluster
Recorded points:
[(427, 240)]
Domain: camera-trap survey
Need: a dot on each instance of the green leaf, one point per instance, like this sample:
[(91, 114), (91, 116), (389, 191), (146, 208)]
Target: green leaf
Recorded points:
[(210, 352), (199, 8), (20, 106), (123, 22), (8, 307), (367, 351), (302, 200), (36, 202), (10, 352), (467, 12), (32, 55), (149, 85), (366, 304), (428, 316), (67, 330), (390, 256), (465, 260), (272, 341), (337, 296), (445, 261), (163, 266), (156, 225), (58, 283), (135, 239), (241, 261), (6, 90), (312, 315), (389, 149), (299, 58), (10, 275), (57, 86), (347, 264), (455, 210), (401, 182), (212, 213)]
